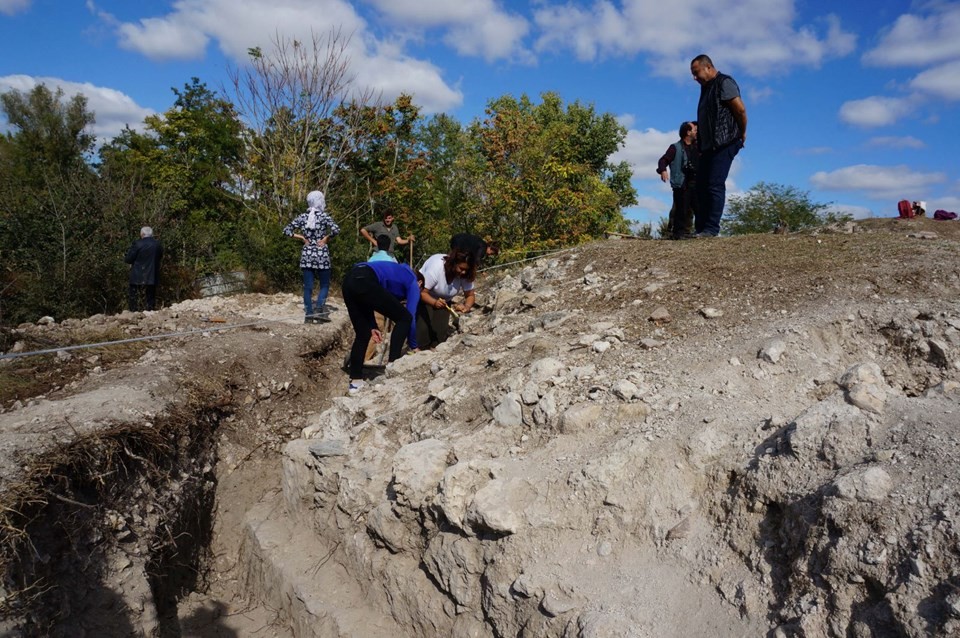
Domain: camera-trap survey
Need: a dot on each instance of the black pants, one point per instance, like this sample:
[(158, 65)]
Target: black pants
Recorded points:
[(684, 208), (362, 295), (133, 296)]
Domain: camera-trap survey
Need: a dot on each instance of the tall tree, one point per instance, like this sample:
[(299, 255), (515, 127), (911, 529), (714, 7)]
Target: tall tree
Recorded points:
[(189, 158), (290, 97), (48, 227), (547, 180)]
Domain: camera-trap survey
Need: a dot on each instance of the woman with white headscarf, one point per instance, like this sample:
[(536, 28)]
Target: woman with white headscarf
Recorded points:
[(316, 228)]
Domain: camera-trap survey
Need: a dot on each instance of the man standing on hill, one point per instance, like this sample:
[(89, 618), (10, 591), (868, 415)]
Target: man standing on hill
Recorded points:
[(682, 158), (722, 121), (386, 227), (144, 258)]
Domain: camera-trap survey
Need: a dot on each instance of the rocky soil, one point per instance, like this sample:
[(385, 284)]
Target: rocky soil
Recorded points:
[(732, 437)]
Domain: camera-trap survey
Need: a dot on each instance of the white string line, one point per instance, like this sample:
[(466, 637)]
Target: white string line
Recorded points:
[(166, 335), (186, 333)]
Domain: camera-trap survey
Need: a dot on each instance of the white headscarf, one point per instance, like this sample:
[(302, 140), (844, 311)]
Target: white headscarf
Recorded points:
[(316, 202)]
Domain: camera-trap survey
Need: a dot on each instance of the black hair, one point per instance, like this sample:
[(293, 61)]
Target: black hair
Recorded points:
[(383, 242), (703, 58)]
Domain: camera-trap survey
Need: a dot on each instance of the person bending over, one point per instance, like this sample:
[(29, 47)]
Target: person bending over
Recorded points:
[(379, 287), (445, 276)]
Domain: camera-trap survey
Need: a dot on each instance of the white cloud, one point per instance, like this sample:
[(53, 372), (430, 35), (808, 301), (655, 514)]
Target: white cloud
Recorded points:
[(10, 7), (238, 25), (906, 141), (875, 111), (878, 182), (758, 36), (474, 27), (651, 205), (161, 39), (112, 109), (642, 150), (757, 95), (396, 75), (857, 212), (943, 81), (919, 40)]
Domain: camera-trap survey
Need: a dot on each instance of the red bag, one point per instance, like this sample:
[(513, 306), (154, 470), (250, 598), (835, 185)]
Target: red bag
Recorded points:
[(905, 208)]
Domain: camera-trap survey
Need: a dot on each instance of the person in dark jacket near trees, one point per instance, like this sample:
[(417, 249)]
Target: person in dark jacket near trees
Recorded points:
[(722, 124), (679, 165), (144, 258)]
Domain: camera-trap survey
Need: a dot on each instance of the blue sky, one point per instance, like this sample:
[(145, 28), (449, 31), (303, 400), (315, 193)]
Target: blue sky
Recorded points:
[(855, 102)]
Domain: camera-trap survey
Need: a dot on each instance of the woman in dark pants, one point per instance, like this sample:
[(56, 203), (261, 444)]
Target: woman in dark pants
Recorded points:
[(379, 287)]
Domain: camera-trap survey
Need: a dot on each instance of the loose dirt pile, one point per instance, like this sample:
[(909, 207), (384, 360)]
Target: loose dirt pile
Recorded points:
[(717, 437)]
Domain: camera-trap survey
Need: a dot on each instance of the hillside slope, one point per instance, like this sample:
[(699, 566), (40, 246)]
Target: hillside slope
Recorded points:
[(722, 437)]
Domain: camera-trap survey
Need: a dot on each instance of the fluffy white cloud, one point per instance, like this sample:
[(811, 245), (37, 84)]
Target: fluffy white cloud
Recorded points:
[(906, 141), (942, 81), (161, 39), (10, 7), (879, 182), (473, 27), (759, 36), (395, 75), (238, 25), (919, 40), (642, 149), (875, 111), (112, 109)]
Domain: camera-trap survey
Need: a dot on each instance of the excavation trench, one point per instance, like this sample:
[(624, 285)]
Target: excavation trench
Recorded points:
[(135, 528)]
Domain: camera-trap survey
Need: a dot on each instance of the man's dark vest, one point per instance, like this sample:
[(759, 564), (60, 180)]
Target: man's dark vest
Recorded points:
[(715, 120)]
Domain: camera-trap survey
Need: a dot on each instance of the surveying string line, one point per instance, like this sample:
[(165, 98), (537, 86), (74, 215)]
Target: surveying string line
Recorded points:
[(166, 335), (511, 263), (187, 333)]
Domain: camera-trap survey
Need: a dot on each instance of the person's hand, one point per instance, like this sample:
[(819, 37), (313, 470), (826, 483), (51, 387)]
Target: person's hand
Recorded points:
[(459, 307), (439, 303), (663, 176), (322, 242), (410, 238), (376, 335)]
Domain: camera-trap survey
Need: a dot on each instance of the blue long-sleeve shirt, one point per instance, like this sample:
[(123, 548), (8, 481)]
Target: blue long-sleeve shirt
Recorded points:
[(399, 281)]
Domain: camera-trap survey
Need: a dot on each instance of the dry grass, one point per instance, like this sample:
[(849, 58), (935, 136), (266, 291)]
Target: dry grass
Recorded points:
[(48, 519), (29, 377)]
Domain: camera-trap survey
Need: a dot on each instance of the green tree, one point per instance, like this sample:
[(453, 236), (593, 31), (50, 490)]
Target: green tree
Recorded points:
[(546, 180), (49, 228), (189, 159), (290, 97), (767, 207)]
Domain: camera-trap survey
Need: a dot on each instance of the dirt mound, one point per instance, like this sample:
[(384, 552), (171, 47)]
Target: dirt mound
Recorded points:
[(748, 434)]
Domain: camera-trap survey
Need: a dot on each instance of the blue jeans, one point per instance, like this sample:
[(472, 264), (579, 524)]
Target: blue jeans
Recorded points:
[(323, 278), (712, 186)]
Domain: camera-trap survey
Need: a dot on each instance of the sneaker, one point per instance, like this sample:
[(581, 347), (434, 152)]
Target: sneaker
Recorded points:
[(328, 308), (354, 388), (316, 318)]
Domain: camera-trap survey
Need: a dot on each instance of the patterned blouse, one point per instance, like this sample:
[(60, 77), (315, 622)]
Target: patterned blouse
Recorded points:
[(313, 256)]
